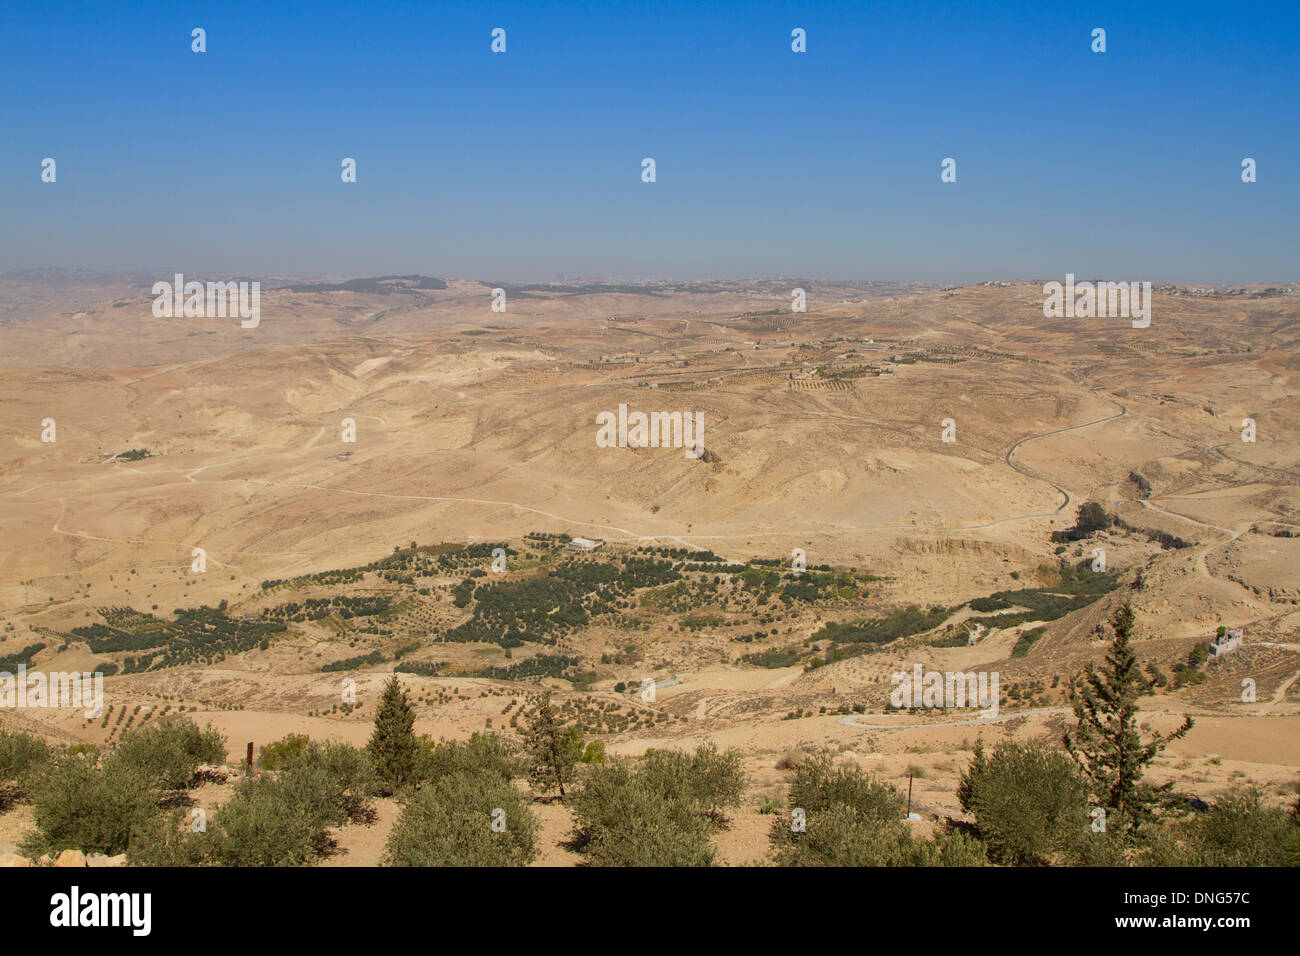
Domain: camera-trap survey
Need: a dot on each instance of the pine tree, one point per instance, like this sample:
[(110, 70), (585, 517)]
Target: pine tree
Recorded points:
[(1106, 743), (393, 746), (553, 750)]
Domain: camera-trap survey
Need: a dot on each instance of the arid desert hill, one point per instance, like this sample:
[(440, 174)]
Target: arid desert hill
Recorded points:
[(485, 423)]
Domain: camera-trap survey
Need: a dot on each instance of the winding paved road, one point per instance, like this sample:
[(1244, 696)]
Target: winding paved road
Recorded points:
[(1123, 410), (854, 721)]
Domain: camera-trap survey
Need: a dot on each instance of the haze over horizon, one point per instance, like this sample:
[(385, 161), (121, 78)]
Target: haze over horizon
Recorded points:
[(563, 279)]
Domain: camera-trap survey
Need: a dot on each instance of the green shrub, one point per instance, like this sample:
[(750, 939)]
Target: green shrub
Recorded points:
[(345, 775), (1026, 641), (166, 754), (78, 804), (818, 785), (1238, 830), (274, 754), (713, 780), (1291, 848), (22, 756), (449, 822), (487, 754), (280, 820), (851, 819), (101, 804), (267, 822), (1030, 803), (623, 822), (166, 840), (841, 835)]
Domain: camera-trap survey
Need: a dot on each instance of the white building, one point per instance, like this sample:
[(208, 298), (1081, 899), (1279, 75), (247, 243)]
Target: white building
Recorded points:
[(1229, 642)]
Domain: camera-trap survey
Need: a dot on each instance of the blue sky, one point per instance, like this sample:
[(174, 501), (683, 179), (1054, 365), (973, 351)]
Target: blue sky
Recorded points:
[(524, 165)]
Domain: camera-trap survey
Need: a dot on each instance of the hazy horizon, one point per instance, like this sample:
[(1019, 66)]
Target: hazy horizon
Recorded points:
[(557, 279)]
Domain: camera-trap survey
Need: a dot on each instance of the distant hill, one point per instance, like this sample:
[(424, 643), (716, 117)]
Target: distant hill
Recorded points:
[(377, 285), (531, 290)]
